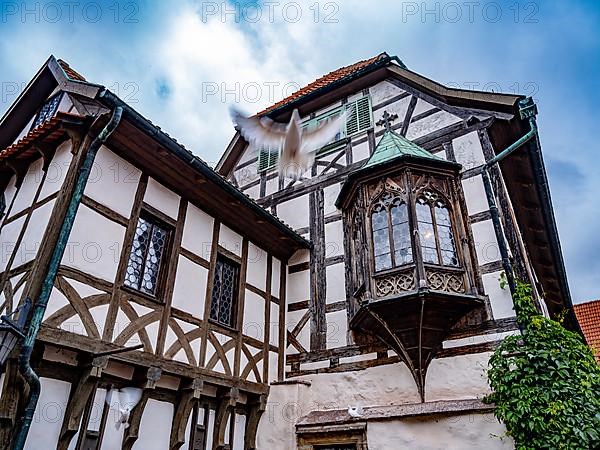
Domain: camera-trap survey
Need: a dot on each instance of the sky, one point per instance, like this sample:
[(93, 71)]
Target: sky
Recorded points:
[(182, 63)]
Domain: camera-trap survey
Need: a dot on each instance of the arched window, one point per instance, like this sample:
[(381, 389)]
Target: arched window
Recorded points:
[(391, 233), (435, 230)]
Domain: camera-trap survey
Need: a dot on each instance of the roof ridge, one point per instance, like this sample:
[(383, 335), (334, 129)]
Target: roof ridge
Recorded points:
[(70, 72), (393, 145), (327, 79)]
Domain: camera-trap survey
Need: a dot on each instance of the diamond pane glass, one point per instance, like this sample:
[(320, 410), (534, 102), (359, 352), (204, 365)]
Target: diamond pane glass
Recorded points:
[(381, 242), (399, 212), (224, 291), (430, 255), (153, 260), (379, 219), (47, 111), (442, 216), (147, 249)]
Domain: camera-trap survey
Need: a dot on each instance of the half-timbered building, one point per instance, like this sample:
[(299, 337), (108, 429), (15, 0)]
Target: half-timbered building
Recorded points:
[(353, 308), (416, 233), (164, 253)]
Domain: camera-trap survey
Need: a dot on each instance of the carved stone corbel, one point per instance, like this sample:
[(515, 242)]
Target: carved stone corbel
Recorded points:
[(131, 434), (186, 398)]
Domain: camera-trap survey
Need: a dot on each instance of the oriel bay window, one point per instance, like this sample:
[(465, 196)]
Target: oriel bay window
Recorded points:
[(413, 274)]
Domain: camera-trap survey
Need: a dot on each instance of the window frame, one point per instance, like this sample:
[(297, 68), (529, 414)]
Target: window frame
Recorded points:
[(413, 229), (152, 217), (59, 97), (235, 296)]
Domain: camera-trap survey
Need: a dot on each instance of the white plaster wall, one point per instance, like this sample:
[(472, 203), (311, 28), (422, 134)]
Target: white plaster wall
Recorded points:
[(274, 324), (294, 212), (113, 182), (330, 194), (49, 414), (254, 316), (334, 239), (57, 169), (94, 244), (161, 198), (256, 273), (383, 91), (336, 283), (276, 277), (8, 239), (189, 291), (27, 191), (458, 377), (475, 195), (430, 124), (298, 286), (486, 245), (421, 107), (468, 151), (9, 193), (239, 432), (360, 152), (197, 232), (500, 299), (337, 328), (471, 431), (155, 427), (230, 240), (34, 233)]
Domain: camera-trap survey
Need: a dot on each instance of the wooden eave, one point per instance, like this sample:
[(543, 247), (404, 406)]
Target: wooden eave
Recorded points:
[(218, 197), (527, 185)]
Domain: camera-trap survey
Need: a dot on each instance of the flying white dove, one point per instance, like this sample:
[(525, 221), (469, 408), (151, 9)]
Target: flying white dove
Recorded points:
[(123, 400), (299, 145), (355, 411)]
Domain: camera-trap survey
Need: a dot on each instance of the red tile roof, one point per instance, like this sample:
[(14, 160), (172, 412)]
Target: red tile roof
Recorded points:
[(326, 80), (588, 316), (72, 74)]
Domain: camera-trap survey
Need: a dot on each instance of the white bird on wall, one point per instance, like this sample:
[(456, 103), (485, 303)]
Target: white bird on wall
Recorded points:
[(123, 400), (297, 145), (355, 411)]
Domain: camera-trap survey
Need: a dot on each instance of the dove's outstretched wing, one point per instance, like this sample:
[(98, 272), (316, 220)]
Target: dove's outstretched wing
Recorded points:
[(129, 397), (313, 140), (260, 132)]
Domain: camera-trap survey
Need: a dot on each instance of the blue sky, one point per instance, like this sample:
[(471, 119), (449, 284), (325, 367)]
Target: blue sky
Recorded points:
[(181, 63)]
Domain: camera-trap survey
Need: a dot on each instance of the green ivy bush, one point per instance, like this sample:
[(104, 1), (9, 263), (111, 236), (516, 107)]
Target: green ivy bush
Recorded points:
[(545, 383)]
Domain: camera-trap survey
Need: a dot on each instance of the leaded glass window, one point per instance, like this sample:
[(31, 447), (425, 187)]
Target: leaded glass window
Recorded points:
[(224, 293), (435, 230), (47, 111), (392, 245), (147, 256)]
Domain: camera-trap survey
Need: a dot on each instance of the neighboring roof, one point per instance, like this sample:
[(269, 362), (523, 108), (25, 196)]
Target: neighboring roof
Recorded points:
[(72, 74), (392, 145), (588, 316), (339, 75)]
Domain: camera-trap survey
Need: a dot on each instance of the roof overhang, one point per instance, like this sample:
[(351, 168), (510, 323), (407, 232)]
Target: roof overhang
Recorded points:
[(138, 140)]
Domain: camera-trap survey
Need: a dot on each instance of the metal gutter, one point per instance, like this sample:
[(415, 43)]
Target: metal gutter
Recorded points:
[(189, 158), (39, 308)]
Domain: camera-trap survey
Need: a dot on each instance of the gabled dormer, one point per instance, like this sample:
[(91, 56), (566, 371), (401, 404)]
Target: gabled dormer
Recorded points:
[(414, 275)]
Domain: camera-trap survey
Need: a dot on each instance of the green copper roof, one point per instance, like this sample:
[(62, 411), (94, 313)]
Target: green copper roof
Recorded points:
[(392, 145)]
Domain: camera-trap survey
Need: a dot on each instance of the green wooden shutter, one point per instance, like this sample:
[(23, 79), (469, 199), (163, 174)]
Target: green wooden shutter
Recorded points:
[(267, 159), (361, 118)]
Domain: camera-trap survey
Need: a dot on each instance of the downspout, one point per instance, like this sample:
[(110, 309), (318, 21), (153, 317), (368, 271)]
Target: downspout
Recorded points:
[(527, 110), (39, 307)]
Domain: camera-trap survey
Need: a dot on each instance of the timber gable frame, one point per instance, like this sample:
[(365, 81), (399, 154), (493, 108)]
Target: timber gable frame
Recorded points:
[(493, 115), (197, 187)]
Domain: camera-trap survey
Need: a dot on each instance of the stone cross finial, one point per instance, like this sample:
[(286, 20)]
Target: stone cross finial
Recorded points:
[(386, 120)]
